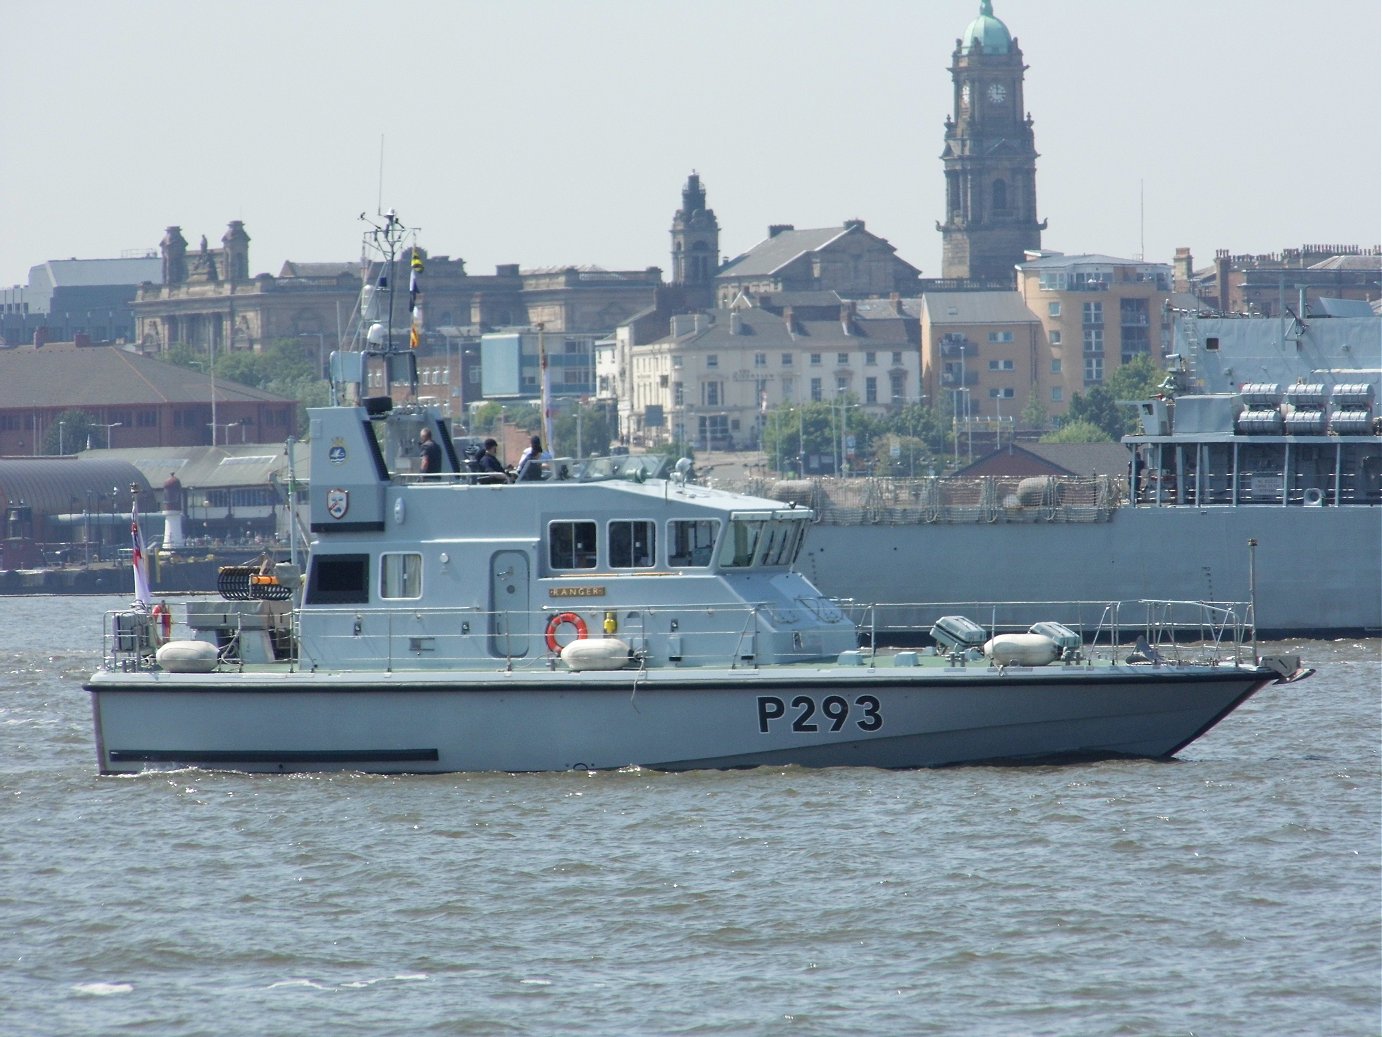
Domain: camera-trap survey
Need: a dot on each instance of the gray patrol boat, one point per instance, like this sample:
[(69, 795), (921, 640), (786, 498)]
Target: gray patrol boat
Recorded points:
[(607, 616)]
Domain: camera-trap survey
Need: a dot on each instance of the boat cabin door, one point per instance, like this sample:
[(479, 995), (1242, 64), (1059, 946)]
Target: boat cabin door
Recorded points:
[(510, 628)]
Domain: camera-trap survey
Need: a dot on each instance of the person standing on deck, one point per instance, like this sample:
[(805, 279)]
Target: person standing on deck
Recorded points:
[(430, 452)]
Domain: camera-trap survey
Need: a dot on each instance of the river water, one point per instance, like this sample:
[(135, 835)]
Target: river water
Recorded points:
[(1237, 890)]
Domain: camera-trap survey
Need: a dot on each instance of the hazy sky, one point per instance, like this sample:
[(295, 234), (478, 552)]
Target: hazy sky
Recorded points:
[(551, 133)]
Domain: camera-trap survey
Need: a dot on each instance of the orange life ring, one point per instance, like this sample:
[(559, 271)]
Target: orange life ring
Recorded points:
[(559, 620), (163, 620)]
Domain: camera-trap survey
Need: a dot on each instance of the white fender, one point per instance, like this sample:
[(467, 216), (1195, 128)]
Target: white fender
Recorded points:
[(596, 653), (1022, 649), (187, 656)]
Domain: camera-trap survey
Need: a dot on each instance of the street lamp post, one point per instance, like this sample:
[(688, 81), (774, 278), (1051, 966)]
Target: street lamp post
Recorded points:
[(110, 427), (227, 425), (61, 425), (843, 461)]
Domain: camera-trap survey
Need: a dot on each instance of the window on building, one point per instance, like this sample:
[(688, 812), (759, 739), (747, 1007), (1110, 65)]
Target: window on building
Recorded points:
[(711, 360), (1093, 369), (870, 359), (1055, 366), (1055, 338), (896, 388), (841, 359), (760, 360), (1000, 194), (632, 544), (400, 575), (1092, 313), (788, 390), (1094, 341), (897, 358), (841, 385), (815, 360), (816, 389), (677, 361), (1000, 336), (678, 394), (663, 380), (1057, 394), (786, 359), (870, 390), (1006, 393), (712, 394), (1053, 309), (1002, 365), (571, 545)]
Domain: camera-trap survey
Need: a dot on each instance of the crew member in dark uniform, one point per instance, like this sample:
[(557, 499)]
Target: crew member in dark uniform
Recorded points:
[(488, 465), (431, 454)]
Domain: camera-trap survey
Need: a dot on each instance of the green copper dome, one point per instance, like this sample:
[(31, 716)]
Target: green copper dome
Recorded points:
[(987, 30)]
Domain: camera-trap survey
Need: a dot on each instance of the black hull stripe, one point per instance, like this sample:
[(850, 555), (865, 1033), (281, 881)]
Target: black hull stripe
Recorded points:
[(287, 756)]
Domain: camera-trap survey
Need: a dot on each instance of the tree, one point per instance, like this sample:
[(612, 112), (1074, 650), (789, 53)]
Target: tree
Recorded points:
[(1079, 431), (1100, 408), (1034, 414), (793, 434), (486, 417), (594, 432), (69, 432), (1136, 380)]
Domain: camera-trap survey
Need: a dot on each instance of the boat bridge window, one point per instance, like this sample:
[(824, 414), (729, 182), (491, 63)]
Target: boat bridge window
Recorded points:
[(781, 542), (741, 542), (691, 542), (632, 544), (400, 576), (338, 580), (571, 545)]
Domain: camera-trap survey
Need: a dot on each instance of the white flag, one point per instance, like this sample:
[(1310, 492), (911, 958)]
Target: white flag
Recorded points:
[(142, 594)]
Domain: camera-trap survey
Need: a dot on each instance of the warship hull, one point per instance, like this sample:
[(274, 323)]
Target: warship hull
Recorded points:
[(1316, 568)]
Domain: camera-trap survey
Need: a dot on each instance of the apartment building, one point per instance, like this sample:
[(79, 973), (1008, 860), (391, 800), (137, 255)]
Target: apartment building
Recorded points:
[(1097, 313)]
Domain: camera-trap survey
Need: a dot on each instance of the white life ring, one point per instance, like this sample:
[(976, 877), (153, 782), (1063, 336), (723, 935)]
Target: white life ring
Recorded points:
[(560, 620)]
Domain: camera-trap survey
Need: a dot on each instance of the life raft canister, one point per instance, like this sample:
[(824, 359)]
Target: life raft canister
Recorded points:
[(559, 620), (163, 622)]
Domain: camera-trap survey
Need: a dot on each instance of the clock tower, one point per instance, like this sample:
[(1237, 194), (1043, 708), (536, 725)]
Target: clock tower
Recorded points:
[(989, 158)]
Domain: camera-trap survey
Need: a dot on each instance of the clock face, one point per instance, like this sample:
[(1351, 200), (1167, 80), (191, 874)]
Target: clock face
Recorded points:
[(997, 92)]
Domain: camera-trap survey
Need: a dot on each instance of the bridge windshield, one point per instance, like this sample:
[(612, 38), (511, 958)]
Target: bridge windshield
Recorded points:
[(766, 539)]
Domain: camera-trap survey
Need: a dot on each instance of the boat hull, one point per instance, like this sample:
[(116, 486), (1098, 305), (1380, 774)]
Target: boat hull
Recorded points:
[(668, 720)]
